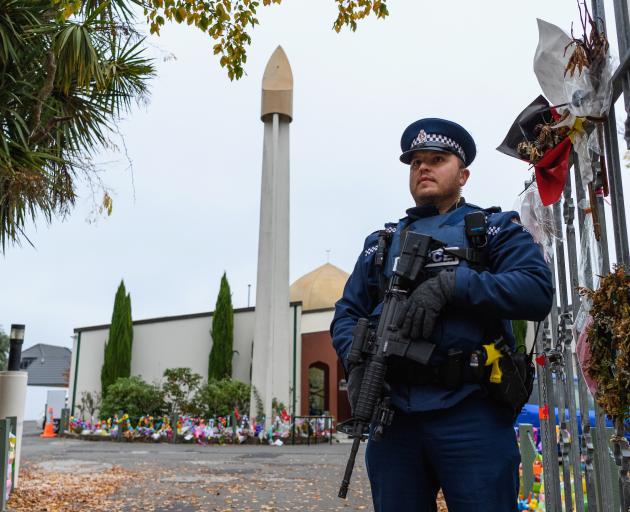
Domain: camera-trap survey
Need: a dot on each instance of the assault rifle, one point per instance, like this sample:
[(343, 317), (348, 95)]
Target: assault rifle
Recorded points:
[(372, 349)]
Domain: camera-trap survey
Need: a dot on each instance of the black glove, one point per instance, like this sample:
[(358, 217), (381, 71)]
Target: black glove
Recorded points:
[(354, 385), (418, 314)]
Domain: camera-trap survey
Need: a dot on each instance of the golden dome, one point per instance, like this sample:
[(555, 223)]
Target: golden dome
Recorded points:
[(320, 288)]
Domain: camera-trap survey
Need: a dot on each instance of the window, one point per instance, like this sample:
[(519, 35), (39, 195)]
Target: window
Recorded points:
[(26, 362)]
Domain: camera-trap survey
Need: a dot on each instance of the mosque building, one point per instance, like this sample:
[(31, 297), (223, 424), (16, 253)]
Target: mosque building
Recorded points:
[(282, 346), (316, 375)]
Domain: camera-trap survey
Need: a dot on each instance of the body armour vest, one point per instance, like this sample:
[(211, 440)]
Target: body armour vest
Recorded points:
[(456, 328)]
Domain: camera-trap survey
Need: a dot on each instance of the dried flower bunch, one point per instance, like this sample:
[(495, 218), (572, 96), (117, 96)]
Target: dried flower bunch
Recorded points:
[(609, 342), (548, 136), (589, 51)]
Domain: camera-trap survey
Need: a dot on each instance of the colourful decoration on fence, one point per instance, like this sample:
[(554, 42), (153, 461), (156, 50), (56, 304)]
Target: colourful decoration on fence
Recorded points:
[(11, 462)]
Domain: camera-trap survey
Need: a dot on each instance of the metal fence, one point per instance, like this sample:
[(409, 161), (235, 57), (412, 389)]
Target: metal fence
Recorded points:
[(598, 456), (316, 428)]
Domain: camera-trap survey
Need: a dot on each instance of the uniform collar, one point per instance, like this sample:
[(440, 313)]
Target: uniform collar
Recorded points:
[(420, 212)]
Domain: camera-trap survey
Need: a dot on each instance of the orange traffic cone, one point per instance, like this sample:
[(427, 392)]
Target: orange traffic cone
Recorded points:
[(49, 429)]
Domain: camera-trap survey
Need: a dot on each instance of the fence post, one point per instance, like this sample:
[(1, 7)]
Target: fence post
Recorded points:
[(64, 422), (565, 339), (588, 449), (548, 424), (120, 426), (174, 419), (528, 456), (4, 461), (616, 462), (330, 429)]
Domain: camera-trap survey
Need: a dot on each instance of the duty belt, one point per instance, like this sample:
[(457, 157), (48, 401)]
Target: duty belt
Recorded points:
[(456, 371)]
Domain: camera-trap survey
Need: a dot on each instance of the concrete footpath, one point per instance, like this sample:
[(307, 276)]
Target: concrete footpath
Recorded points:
[(69, 474)]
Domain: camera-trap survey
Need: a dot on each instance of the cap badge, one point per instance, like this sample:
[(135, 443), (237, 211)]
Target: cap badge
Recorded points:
[(420, 139)]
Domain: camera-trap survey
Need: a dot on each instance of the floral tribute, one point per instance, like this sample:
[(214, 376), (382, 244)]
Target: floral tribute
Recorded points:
[(219, 430), (609, 343)]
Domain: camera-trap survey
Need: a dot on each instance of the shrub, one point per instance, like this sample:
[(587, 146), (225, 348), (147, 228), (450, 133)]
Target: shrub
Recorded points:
[(220, 397), (180, 390), (260, 408), (133, 396)]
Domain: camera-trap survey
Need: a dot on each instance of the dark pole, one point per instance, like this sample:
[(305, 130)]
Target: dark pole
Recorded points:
[(15, 347), (611, 145), (622, 18)]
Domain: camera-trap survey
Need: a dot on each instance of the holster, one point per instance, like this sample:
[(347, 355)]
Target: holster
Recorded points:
[(516, 383)]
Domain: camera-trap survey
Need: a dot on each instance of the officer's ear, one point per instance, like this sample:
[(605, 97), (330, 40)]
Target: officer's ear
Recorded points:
[(464, 174)]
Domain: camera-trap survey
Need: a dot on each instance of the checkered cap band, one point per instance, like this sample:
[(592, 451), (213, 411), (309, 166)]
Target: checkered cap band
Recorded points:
[(424, 137)]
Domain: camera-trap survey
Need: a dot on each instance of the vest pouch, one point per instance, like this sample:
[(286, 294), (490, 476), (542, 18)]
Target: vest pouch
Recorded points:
[(517, 380)]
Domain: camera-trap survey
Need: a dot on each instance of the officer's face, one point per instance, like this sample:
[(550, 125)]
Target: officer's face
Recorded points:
[(435, 178)]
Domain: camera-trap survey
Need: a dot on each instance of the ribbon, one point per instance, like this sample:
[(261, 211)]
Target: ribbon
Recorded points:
[(552, 170)]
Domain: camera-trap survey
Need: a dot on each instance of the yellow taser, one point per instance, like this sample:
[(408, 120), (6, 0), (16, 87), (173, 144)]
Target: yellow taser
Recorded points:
[(493, 356)]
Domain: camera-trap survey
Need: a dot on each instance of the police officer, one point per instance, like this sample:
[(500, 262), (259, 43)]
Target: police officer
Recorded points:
[(454, 438)]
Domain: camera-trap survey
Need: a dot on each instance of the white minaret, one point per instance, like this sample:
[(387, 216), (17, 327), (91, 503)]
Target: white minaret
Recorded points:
[(272, 357)]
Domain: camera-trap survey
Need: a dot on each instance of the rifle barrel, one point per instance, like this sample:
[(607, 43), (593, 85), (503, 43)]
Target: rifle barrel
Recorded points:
[(343, 490)]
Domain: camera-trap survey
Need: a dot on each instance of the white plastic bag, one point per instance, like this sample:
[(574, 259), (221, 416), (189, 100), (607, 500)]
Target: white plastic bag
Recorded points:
[(537, 219)]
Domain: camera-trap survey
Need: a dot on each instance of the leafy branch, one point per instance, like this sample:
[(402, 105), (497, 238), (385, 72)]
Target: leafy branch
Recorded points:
[(228, 22)]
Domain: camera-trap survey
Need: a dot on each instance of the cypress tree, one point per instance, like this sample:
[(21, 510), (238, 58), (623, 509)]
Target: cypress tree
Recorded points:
[(117, 360), (220, 362)]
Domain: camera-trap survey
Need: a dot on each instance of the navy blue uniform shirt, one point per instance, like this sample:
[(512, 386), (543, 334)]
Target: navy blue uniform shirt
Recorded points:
[(516, 285)]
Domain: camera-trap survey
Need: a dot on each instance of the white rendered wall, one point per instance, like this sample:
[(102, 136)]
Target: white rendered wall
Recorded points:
[(529, 335), (160, 345), (316, 321), (88, 376), (176, 344), (243, 340)]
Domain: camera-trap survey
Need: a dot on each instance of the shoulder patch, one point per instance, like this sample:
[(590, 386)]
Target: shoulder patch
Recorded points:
[(370, 250), (372, 240)]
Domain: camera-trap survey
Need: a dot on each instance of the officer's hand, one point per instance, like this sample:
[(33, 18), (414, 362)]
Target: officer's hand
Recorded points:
[(354, 385), (418, 314)]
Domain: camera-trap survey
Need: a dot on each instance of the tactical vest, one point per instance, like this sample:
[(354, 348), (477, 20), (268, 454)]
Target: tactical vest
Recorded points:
[(475, 255)]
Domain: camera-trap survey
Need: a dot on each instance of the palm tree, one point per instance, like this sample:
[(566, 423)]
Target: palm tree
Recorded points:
[(70, 68), (65, 78)]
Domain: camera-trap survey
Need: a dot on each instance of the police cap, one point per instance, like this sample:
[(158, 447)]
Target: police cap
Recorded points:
[(437, 135)]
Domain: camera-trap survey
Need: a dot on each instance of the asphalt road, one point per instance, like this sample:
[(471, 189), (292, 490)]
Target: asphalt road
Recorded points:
[(167, 477)]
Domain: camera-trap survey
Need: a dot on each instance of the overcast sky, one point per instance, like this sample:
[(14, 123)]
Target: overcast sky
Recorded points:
[(189, 208)]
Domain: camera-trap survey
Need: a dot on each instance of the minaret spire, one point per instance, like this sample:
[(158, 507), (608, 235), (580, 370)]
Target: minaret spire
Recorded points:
[(272, 353)]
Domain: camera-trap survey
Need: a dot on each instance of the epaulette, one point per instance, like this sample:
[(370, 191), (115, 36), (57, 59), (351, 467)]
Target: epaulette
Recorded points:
[(388, 229)]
